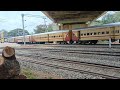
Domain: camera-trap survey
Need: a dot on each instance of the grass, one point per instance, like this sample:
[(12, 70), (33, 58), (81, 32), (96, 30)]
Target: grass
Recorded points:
[(38, 74), (29, 74)]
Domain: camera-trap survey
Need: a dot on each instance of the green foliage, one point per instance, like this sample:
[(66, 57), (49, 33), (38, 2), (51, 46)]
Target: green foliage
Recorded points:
[(109, 18), (17, 32), (96, 23), (43, 28), (5, 32), (49, 28), (40, 29)]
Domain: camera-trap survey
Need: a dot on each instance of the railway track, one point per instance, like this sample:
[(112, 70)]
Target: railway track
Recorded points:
[(82, 46), (35, 55), (72, 69), (90, 52), (117, 69), (104, 53)]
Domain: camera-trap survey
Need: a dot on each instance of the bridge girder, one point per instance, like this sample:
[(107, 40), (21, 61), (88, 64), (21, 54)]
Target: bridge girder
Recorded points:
[(64, 17)]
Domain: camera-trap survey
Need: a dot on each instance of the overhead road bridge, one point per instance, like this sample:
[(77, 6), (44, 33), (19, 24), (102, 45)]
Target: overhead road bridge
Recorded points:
[(73, 19)]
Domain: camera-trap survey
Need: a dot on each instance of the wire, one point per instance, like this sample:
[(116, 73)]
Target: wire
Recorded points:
[(37, 16)]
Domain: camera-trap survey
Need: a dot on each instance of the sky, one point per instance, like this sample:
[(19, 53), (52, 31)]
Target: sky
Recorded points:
[(10, 20)]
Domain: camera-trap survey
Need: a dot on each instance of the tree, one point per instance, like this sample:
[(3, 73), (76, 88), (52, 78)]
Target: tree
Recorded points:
[(109, 18), (43, 28), (49, 28), (5, 33), (97, 22), (40, 29), (17, 32)]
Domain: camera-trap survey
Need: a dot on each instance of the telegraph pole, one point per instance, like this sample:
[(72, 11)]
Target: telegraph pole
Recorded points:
[(23, 28), (45, 24)]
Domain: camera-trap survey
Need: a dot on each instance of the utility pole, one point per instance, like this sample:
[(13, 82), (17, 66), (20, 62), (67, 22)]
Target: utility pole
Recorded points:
[(45, 23), (23, 28)]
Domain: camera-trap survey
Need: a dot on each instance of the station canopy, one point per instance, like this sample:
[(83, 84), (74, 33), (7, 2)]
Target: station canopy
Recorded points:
[(73, 16)]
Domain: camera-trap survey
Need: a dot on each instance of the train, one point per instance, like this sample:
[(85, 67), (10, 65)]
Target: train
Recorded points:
[(88, 35)]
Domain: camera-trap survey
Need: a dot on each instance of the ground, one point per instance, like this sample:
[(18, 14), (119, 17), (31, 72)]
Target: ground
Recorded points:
[(29, 73), (55, 61), (38, 74), (9, 44)]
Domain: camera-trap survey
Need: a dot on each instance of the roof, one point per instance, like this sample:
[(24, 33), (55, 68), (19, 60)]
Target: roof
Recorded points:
[(100, 26), (57, 31)]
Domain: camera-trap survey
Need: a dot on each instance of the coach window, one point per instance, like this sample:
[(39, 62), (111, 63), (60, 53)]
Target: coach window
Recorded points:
[(87, 33), (84, 34), (107, 32), (103, 32), (81, 34), (112, 31), (117, 31), (90, 33), (98, 33), (95, 33)]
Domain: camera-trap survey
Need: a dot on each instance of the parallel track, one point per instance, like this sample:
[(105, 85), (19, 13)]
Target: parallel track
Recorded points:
[(105, 53)]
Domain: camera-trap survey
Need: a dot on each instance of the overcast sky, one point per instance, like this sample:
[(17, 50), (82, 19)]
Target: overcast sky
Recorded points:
[(10, 20)]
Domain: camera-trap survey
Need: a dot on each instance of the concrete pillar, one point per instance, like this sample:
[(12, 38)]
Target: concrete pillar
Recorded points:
[(109, 42)]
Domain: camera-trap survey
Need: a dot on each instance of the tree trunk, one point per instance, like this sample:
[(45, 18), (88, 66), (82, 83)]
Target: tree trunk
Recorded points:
[(8, 51), (9, 66)]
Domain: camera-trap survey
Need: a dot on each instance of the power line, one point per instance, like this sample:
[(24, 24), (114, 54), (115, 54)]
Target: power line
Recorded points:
[(38, 16)]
